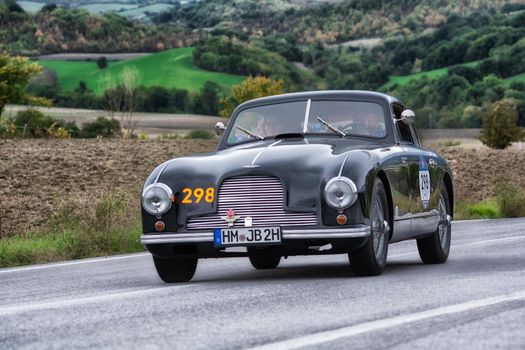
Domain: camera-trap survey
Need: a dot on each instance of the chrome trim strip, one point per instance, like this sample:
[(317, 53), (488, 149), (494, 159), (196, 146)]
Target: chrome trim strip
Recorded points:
[(261, 151), (306, 116), (201, 237), (342, 166), (161, 170), (326, 233), (176, 238)]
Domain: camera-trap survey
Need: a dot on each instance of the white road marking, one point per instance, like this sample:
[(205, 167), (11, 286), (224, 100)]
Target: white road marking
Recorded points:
[(57, 304), (387, 323), (74, 262)]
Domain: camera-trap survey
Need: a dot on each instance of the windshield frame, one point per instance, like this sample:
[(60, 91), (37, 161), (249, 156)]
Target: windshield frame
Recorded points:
[(325, 96)]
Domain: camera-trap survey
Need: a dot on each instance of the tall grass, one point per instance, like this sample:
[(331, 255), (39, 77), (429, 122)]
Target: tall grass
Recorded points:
[(78, 229)]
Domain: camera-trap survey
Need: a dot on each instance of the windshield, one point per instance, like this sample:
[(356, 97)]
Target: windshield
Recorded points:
[(352, 118)]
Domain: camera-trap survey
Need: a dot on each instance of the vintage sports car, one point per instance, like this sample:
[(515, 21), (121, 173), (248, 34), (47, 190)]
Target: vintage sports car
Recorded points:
[(332, 172)]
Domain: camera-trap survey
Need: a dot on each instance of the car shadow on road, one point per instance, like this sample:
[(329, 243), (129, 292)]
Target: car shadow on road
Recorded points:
[(306, 272)]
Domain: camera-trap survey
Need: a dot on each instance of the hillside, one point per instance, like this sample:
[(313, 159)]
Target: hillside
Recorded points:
[(170, 69), (135, 9)]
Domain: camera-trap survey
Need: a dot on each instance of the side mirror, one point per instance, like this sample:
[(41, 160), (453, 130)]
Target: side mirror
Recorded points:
[(219, 128), (408, 116)]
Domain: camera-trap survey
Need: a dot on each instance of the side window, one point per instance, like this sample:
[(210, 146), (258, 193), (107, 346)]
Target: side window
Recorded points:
[(404, 129), (415, 136), (404, 132)]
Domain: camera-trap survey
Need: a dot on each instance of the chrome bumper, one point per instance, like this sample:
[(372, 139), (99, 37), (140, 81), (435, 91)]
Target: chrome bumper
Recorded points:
[(207, 237)]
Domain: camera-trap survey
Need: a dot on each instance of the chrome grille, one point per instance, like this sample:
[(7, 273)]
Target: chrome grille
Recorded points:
[(259, 197)]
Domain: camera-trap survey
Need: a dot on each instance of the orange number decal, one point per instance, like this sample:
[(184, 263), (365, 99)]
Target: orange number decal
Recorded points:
[(187, 198), (210, 194), (198, 193)]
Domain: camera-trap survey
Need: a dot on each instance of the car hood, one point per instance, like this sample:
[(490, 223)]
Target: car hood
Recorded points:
[(303, 166)]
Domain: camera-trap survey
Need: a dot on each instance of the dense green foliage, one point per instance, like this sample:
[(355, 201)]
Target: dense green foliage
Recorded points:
[(329, 22), (225, 55)]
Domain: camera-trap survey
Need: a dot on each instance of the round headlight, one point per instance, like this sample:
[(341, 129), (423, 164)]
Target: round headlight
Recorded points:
[(156, 198), (340, 192)]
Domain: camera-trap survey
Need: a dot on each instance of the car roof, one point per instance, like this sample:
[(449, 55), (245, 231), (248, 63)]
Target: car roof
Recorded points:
[(319, 95)]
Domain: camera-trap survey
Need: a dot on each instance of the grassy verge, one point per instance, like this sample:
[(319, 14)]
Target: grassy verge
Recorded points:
[(508, 202), (488, 209), (78, 229)]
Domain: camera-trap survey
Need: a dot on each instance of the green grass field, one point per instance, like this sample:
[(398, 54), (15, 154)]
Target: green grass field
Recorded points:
[(519, 77), (102, 8), (402, 80), (31, 6), (140, 11), (173, 68)]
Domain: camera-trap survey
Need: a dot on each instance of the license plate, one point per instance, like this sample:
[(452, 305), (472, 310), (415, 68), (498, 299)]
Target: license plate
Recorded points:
[(247, 236)]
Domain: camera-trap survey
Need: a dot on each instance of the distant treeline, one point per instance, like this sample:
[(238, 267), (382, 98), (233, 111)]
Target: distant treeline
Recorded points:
[(145, 99)]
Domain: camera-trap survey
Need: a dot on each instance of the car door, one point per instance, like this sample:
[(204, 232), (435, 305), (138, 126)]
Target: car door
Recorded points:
[(424, 175), (399, 178)]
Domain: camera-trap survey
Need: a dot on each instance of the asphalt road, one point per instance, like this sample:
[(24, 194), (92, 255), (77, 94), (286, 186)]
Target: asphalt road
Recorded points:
[(474, 301)]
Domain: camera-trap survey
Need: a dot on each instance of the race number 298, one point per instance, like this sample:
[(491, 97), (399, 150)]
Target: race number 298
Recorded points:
[(424, 185)]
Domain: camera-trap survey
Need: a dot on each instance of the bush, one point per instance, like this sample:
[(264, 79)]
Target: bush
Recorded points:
[(102, 62), (500, 126), (510, 199), (32, 123), (102, 127), (199, 134)]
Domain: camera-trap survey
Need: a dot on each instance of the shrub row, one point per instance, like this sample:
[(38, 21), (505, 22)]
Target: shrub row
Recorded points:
[(32, 123)]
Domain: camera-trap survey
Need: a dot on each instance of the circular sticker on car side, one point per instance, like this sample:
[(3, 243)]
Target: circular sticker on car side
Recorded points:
[(424, 181)]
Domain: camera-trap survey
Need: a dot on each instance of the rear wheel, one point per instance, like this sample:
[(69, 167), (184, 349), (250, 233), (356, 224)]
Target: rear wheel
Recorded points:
[(435, 249), (175, 270), (370, 259), (264, 261)]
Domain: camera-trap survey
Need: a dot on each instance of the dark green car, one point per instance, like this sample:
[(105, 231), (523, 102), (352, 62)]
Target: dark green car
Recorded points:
[(331, 172)]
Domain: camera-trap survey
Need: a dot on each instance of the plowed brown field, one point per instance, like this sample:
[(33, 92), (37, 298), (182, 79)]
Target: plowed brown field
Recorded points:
[(36, 175)]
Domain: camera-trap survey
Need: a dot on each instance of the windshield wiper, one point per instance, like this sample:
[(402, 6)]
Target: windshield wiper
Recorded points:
[(252, 134), (331, 127)]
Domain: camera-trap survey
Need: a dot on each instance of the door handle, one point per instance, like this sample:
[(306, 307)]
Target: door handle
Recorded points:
[(403, 160), (432, 163)]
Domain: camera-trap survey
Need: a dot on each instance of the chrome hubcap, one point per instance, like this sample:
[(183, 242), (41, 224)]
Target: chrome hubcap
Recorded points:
[(379, 228), (444, 221)]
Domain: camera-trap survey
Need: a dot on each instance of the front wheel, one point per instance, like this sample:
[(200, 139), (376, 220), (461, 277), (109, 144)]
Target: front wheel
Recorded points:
[(175, 270), (370, 259), (435, 249)]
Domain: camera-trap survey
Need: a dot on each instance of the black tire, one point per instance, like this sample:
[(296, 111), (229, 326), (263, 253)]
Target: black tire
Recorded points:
[(175, 270), (265, 261), (370, 259), (436, 248)]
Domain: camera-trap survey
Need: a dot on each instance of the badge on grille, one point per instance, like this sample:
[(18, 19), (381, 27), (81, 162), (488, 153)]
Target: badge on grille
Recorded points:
[(230, 217)]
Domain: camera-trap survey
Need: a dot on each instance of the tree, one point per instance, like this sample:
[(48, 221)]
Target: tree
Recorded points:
[(15, 73), (249, 89), (500, 126), (102, 62)]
